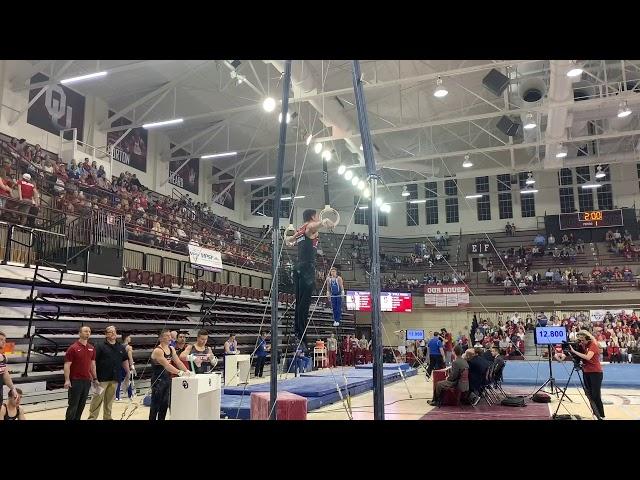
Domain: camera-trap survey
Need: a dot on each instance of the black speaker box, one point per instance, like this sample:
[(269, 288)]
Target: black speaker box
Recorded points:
[(507, 126), (635, 358), (495, 82)]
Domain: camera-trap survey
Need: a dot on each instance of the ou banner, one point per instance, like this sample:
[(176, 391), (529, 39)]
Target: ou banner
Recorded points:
[(598, 315), (205, 258), (443, 296)]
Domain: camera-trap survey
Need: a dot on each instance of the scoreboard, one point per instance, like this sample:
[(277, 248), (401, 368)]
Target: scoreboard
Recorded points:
[(591, 219)]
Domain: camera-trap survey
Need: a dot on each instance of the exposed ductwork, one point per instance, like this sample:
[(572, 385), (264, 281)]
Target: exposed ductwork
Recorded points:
[(304, 82), (560, 92)]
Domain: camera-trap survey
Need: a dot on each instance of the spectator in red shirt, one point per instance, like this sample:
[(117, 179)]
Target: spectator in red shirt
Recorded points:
[(448, 346), (28, 195), (592, 370), (79, 372)]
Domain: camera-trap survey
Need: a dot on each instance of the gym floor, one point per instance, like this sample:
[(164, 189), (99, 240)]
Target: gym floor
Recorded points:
[(620, 404)]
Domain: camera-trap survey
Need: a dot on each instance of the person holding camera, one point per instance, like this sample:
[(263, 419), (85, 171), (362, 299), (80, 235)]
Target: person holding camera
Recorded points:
[(591, 368)]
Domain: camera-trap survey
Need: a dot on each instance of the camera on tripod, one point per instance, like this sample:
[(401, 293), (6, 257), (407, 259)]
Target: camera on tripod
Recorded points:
[(567, 351)]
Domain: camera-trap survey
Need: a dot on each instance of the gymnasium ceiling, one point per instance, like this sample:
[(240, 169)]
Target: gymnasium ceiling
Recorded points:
[(416, 135)]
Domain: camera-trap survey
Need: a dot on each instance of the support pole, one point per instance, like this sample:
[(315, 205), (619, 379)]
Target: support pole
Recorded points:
[(374, 245), (273, 383)]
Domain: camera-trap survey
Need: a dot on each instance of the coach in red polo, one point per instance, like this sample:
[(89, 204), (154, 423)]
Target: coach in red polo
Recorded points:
[(79, 372)]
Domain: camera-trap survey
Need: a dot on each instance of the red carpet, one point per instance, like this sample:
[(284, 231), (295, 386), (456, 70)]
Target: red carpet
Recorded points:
[(482, 411)]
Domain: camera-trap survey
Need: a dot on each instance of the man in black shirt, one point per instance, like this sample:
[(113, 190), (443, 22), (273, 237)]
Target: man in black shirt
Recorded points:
[(304, 275), (111, 358), (478, 367)]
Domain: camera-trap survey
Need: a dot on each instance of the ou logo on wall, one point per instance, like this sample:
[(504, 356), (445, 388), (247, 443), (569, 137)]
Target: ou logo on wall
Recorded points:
[(57, 106)]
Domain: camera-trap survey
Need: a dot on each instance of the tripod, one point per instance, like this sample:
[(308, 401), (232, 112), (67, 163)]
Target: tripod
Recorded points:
[(576, 368), (555, 390)]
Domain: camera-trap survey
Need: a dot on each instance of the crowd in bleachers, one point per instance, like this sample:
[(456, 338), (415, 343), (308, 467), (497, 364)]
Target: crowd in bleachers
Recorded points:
[(394, 282), (508, 335), (622, 244), (151, 218)]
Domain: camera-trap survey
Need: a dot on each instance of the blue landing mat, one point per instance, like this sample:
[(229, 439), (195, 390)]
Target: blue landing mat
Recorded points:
[(237, 405), (616, 375), (394, 366)]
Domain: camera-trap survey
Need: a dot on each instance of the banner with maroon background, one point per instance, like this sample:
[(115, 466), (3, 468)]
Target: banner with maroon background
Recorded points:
[(132, 149), (226, 199), (188, 177)]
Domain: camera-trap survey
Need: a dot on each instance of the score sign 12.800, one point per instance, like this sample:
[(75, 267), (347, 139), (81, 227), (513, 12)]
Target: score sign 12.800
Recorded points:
[(550, 335)]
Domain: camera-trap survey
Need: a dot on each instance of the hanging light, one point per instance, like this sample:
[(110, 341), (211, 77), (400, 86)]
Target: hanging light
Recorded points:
[(575, 70), (528, 190), (269, 104), (308, 140), (529, 122), (562, 151), (475, 195), (317, 148), (405, 192), (82, 78), (326, 155), (367, 193), (348, 175), (530, 180), (591, 185), (624, 110), (385, 208), (361, 185), (440, 91), (379, 201), (280, 117), (355, 180), (467, 163), (163, 123), (600, 173), (341, 169)]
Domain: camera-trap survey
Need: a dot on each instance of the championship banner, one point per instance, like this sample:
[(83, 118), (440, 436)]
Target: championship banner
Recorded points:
[(598, 315), (220, 194), (58, 108), (132, 149), (445, 296), (205, 258), (188, 176)]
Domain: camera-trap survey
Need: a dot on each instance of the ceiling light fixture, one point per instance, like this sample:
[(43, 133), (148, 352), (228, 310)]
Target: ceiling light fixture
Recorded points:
[(82, 78), (562, 151), (528, 190), (529, 122), (308, 140), (624, 110), (475, 195), (575, 70), (422, 200), (530, 180), (467, 163), (289, 198), (326, 155), (385, 208), (361, 185), (259, 179), (440, 91), (280, 117), (269, 104), (341, 169), (348, 175), (317, 148), (600, 173), (220, 155), (363, 208), (367, 193), (405, 192), (379, 201), (355, 180), (163, 123), (591, 185)]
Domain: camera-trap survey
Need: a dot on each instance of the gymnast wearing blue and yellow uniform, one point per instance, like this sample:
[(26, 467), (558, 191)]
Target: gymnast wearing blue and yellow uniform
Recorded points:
[(335, 291)]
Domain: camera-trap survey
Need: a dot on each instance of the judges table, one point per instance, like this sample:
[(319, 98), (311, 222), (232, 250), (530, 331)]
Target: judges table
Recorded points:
[(236, 369), (196, 397)]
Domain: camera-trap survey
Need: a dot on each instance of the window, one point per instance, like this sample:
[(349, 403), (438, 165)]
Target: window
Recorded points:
[(505, 206), (413, 217), (585, 199), (528, 205), (582, 175), (450, 188), (565, 176), (605, 197), (504, 183), (431, 205), (383, 219), (262, 201), (484, 208), (362, 216), (451, 210), (567, 201), (522, 180), (482, 184)]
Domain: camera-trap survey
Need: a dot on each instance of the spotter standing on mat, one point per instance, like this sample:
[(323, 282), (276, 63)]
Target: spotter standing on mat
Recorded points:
[(304, 274), (335, 291)]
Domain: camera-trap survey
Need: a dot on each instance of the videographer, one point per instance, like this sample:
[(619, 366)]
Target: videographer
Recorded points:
[(592, 369)]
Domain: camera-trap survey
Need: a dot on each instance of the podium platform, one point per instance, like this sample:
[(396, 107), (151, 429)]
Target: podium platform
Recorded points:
[(196, 397), (236, 369)]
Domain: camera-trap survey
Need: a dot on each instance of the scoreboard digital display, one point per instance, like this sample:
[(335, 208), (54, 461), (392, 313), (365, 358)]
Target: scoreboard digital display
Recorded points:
[(399, 302), (591, 219)]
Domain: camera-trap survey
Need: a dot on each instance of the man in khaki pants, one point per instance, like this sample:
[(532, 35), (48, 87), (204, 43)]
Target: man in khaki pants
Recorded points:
[(111, 357)]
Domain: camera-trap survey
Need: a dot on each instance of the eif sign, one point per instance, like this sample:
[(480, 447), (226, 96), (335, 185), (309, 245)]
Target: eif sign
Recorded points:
[(480, 247)]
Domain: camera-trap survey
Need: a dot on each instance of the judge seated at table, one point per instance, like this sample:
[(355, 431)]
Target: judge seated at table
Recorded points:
[(458, 377), (478, 367)]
